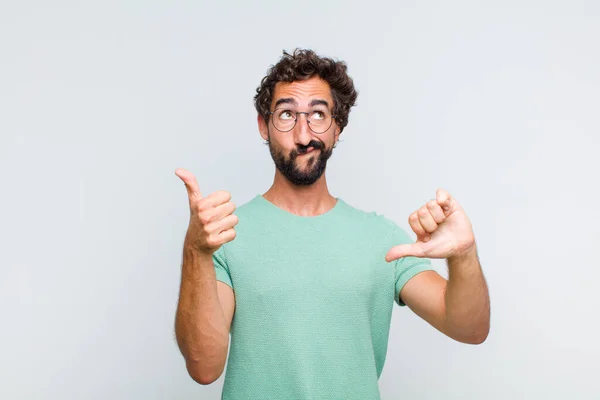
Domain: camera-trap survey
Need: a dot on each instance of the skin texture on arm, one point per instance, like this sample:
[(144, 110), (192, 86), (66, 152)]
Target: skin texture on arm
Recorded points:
[(203, 320), (460, 306), (206, 306)]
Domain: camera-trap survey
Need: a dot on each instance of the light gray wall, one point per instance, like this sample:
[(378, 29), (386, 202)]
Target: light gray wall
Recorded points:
[(100, 102)]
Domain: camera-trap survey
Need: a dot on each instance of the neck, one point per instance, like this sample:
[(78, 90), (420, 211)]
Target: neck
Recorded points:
[(305, 201)]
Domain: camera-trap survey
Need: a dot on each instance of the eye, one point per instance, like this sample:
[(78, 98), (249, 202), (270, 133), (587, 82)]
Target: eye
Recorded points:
[(286, 115), (318, 115)]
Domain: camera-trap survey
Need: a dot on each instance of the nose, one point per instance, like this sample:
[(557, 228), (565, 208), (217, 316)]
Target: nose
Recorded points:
[(302, 133)]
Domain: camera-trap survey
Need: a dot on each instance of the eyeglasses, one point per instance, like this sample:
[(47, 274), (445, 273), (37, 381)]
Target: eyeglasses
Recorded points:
[(319, 121)]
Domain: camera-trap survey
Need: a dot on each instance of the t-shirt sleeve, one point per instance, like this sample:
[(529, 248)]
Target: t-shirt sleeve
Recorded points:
[(406, 267), (221, 267)]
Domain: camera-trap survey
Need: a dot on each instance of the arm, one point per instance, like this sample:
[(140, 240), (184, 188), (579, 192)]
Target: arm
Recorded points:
[(458, 307), (205, 307), (203, 318)]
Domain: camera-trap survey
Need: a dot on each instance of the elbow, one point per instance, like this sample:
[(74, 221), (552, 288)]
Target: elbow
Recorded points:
[(204, 379), (202, 376), (468, 334), (473, 331), (477, 337)]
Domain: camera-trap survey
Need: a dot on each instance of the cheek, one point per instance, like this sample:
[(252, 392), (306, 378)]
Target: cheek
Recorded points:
[(282, 147), (329, 142)]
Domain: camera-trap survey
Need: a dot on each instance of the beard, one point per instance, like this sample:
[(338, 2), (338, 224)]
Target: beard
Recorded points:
[(315, 165)]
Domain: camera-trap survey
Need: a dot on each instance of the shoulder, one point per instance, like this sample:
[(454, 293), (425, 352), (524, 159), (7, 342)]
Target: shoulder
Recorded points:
[(372, 220), (375, 222), (247, 206), (249, 210)]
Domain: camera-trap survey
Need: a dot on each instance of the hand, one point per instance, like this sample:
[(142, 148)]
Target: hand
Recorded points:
[(443, 231), (211, 218)]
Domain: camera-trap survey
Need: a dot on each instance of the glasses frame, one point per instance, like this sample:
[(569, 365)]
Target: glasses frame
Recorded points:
[(333, 117)]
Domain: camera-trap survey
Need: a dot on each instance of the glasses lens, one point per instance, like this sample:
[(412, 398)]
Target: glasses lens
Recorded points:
[(320, 120), (284, 120)]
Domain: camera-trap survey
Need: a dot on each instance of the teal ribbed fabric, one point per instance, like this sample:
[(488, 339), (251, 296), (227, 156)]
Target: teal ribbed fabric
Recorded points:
[(314, 298)]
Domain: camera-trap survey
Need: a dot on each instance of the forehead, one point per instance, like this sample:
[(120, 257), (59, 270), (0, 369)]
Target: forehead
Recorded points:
[(303, 91)]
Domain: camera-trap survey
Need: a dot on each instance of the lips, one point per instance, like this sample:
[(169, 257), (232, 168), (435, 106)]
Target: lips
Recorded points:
[(308, 151)]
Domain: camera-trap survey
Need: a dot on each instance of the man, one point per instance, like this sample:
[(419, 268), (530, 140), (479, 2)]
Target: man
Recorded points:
[(307, 287)]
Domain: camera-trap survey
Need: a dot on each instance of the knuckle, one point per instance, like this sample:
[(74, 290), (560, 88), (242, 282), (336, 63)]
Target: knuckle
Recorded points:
[(423, 212), (205, 231), (432, 204), (202, 205), (211, 242), (205, 218), (225, 194)]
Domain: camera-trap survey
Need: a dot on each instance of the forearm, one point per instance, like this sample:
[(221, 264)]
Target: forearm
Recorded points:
[(467, 311), (200, 327)]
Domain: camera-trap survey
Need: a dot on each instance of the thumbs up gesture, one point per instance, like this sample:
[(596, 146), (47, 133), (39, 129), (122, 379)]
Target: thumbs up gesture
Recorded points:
[(211, 217), (443, 231)]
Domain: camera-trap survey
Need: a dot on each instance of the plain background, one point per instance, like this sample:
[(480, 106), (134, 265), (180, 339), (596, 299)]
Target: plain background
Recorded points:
[(101, 102)]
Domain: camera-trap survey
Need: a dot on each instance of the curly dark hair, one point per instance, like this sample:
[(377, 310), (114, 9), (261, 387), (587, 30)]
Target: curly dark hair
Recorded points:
[(303, 64)]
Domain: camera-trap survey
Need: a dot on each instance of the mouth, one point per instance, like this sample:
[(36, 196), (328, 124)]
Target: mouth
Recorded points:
[(308, 151)]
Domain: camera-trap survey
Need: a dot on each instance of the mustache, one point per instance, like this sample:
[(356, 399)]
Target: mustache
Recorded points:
[(313, 143)]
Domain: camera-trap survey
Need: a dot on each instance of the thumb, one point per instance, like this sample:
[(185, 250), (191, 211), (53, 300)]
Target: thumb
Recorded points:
[(404, 250), (191, 184)]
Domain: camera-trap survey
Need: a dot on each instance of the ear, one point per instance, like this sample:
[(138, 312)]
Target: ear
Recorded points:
[(262, 127), (336, 134)]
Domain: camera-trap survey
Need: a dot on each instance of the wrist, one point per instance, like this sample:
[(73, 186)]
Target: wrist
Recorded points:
[(469, 254), (192, 251)]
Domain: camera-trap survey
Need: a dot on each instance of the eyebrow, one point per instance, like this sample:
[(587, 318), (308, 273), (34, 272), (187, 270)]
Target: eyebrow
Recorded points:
[(319, 102), (285, 100), (289, 100)]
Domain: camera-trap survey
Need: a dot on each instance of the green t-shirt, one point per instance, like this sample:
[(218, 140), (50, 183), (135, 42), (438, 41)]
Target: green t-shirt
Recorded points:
[(314, 298)]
